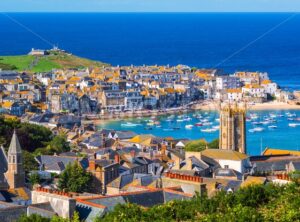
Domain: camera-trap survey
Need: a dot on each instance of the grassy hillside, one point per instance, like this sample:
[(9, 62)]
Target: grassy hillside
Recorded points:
[(45, 63)]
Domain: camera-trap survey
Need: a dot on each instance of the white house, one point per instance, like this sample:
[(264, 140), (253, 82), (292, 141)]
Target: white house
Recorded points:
[(254, 90), (228, 159), (234, 94), (270, 87)]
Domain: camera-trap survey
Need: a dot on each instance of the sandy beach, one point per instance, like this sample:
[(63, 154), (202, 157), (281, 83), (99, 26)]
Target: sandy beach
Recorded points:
[(258, 106)]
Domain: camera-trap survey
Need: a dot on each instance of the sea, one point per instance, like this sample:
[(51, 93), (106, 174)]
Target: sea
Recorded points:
[(266, 42), (278, 129)]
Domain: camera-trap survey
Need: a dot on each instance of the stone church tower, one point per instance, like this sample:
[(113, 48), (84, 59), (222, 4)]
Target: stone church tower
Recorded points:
[(233, 128), (15, 174)]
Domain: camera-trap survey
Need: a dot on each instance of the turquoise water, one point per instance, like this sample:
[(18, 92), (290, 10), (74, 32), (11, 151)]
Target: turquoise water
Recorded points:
[(282, 137)]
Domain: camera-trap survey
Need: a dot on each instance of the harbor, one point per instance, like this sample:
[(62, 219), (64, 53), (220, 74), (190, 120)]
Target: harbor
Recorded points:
[(263, 128)]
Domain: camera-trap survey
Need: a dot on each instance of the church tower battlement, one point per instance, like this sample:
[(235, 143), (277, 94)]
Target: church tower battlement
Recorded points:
[(233, 127)]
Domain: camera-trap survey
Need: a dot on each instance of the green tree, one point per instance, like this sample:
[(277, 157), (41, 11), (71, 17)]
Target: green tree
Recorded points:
[(33, 218), (295, 176), (214, 144), (59, 144), (196, 145), (29, 162), (34, 179), (123, 213), (74, 179)]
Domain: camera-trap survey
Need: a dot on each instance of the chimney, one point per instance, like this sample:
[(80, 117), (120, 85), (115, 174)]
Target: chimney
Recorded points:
[(103, 140), (117, 158), (132, 153), (92, 165), (176, 162), (163, 149), (188, 163)]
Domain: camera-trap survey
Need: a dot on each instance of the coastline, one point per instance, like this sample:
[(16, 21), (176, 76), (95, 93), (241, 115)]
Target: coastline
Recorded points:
[(258, 106), (204, 106)]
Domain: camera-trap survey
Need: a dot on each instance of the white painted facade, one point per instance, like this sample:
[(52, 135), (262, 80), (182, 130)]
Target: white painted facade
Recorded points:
[(238, 165)]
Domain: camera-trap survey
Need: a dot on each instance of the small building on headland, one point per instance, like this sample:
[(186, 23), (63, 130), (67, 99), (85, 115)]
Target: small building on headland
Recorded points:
[(38, 52)]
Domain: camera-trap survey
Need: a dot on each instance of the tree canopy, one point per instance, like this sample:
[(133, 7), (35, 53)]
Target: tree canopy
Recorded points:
[(34, 140), (253, 203), (74, 179), (200, 145)]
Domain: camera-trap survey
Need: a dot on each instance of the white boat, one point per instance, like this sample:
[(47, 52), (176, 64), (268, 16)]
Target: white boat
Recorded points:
[(207, 124), (129, 124), (265, 122), (216, 127), (291, 114), (207, 130), (272, 127), (188, 126), (294, 124), (256, 129), (180, 120), (218, 120), (168, 129), (253, 116), (256, 123)]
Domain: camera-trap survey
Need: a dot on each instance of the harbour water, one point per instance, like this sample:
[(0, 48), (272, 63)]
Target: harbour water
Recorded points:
[(275, 129)]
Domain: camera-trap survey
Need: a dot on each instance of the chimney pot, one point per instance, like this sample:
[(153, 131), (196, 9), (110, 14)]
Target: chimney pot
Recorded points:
[(117, 158)]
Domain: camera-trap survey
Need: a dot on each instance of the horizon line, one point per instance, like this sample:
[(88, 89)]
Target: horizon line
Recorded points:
[(154, 12)]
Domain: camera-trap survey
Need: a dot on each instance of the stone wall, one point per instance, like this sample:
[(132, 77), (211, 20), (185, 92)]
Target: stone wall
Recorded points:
[(62, 204)]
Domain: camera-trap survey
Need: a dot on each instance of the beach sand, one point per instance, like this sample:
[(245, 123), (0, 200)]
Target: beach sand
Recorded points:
[(257, 106)]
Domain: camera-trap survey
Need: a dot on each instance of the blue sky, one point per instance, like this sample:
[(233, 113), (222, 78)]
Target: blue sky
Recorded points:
[(149, 5)]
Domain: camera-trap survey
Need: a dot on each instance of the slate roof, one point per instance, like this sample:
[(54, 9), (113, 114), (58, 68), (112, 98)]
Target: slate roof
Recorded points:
[(261, 166), (104, 163), (121, 181), (42, 118), (19, 196), (296, 165), (14, 146), (67, 119), (95, 140), (59, 163), (3, 161), (8, 75), (226, 172), (198, 165), (144, 198)]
